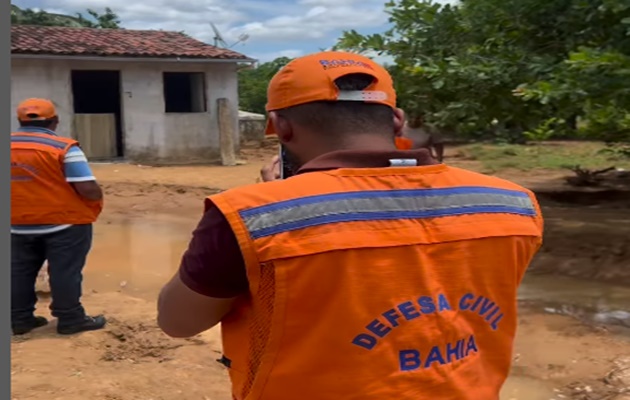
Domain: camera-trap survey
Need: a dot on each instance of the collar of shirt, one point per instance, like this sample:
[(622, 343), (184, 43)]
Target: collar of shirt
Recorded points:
[(365, 159), (36, 129)]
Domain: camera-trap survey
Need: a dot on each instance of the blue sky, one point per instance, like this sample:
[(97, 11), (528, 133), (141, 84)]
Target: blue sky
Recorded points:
[(275, 27)]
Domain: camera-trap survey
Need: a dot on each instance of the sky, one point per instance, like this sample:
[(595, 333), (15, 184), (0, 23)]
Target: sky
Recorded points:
[(275, 28)]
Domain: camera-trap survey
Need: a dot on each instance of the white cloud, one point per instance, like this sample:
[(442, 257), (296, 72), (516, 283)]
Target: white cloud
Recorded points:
[(315, 22), (272, 55), (277, 21), (316, 11), (176, 15), (275, 27)]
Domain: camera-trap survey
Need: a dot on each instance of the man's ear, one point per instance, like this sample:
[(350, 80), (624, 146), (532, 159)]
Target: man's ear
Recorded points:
[(282, 127), (399, 122)]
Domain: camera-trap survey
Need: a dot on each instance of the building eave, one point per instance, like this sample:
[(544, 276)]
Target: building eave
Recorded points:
[(134, 59)]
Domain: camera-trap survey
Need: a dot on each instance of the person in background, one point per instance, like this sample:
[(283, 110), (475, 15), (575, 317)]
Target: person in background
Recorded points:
[(54, 201), (424, 136), (372, 273)]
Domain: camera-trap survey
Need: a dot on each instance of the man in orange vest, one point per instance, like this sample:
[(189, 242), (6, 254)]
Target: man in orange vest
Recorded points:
[(54, 201), (371, 273)]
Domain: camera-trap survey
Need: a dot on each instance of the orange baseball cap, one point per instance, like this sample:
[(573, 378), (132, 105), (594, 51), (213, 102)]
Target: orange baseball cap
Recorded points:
[(312, 78), (36, 110)]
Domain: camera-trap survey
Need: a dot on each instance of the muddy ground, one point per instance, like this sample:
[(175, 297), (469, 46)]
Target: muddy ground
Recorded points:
[(149, 214)]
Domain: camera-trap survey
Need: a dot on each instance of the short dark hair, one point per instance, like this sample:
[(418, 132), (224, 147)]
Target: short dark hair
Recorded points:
[(40, 123), (340, 117)]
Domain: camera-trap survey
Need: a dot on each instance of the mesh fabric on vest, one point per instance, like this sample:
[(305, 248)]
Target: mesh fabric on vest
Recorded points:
[(261, 323)]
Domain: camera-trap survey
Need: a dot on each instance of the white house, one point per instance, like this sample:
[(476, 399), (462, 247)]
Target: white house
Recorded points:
[(145, 96)]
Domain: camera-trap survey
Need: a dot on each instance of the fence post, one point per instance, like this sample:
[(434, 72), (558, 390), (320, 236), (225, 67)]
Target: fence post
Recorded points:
[(226, 132)]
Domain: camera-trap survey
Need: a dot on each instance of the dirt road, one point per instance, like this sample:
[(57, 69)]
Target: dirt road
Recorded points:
[(149, 215)]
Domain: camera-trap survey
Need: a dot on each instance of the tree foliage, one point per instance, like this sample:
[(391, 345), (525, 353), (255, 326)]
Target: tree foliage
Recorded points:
[(510, 69), (94, 19), (107, 20), (253, 83)]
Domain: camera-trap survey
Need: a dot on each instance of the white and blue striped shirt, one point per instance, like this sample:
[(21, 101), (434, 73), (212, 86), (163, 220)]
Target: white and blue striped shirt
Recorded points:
[(76, 169)]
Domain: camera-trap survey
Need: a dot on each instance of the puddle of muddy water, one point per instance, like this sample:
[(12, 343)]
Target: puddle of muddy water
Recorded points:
[(136, 256), (590, 301)]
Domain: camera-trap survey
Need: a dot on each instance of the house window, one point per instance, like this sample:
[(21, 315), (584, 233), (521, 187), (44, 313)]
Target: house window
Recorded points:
[(184, 92)]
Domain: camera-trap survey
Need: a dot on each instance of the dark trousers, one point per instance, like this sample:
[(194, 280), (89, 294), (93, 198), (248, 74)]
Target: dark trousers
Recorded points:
[(66, 252)]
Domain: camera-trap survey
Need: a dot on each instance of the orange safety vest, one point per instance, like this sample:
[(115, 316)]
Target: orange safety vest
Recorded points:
[(403, 143), (372, 284), (39, 191)]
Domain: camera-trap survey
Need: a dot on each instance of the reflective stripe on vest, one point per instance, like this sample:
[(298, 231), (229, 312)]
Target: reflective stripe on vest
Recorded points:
[(289, 215), (52, 142)]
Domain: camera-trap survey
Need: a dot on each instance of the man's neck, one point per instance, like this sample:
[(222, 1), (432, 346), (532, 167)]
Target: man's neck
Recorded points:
[(362, 143), (366, 159)]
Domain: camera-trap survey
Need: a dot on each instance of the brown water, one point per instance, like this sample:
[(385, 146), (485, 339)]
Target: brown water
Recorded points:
[(138, 256), (590, 301)]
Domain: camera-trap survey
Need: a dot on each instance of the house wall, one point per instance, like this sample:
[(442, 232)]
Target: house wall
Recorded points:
[(251, 127), (149, 134)]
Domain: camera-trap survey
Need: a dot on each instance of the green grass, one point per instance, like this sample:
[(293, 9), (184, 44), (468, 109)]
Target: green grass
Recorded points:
[(549, 155)]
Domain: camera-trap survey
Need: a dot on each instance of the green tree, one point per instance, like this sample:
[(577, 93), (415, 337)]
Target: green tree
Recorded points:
[(500, 68), (108, 19), (253, 84)]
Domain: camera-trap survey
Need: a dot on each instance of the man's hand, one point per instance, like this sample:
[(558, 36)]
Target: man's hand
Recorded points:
[(271, 171)]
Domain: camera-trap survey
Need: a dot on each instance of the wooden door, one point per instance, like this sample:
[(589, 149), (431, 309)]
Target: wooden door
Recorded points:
[(97, 135)]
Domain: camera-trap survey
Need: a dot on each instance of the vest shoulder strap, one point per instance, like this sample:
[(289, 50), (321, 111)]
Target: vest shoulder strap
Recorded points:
[(58, 143)]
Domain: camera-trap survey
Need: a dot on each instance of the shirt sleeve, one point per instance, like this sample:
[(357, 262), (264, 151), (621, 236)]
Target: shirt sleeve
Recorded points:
[(76, 167), (213, 265)]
